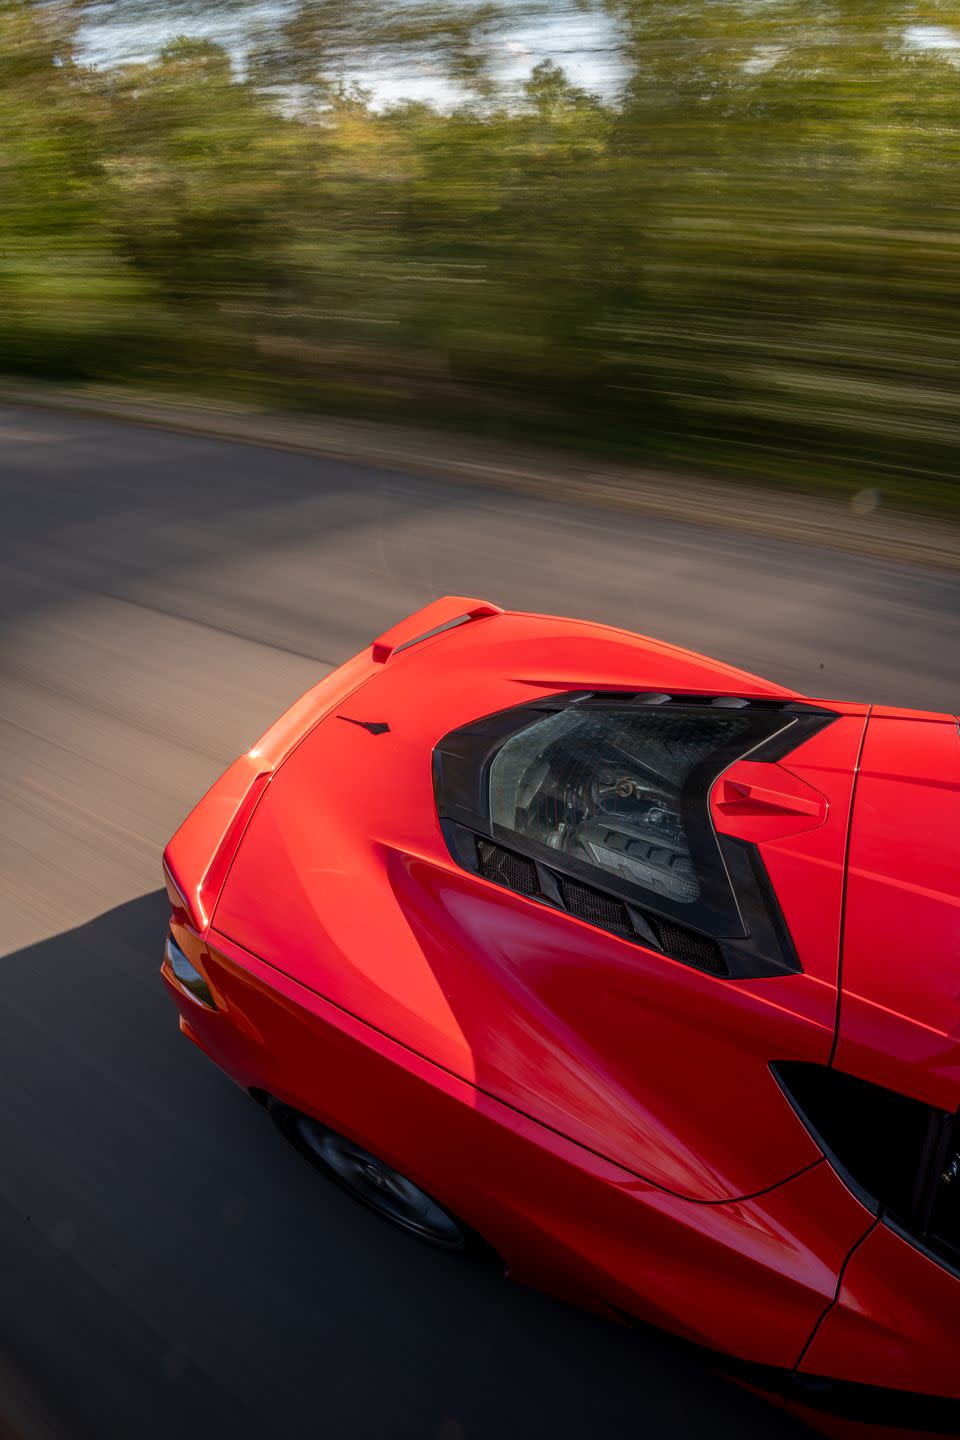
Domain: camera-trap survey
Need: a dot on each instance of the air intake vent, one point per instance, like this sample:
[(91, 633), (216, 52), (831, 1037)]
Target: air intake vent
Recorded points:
[(515, 872), (690, 949), (595, 907), (615, 697), (504, 867)]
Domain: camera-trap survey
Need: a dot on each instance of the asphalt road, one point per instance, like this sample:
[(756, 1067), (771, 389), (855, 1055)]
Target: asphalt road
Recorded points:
[(168, 1267)]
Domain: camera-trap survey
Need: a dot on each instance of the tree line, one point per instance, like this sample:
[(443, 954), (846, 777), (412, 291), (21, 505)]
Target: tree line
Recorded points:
[(743, 256)]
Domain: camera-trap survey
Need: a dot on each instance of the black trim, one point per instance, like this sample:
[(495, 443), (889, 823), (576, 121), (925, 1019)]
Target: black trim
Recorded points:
[(935, 1255), (655, 932), (767, 947), (857, 1190), (588, 903), (376, 727), (453, 624), (875, 1404), (737, 913)]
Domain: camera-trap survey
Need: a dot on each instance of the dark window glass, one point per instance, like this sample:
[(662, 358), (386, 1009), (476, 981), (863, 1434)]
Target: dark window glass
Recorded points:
[(608, 795), (606, 788), (901, 1156), (945, 1221), (877, 1137)]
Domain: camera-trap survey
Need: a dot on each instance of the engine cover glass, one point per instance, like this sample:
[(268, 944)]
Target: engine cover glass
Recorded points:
[(606, 787)]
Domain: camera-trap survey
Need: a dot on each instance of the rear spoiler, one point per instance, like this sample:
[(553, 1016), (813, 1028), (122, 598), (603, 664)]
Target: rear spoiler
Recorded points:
[(445, 614)]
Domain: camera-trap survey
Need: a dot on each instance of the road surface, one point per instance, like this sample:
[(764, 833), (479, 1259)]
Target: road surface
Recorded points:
[(168, 1268)]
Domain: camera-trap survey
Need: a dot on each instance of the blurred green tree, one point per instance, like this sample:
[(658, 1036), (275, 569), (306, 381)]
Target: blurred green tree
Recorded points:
[(746, 258), (65, 298)]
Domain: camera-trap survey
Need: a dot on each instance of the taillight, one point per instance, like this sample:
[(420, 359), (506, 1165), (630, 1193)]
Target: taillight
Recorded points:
[(187, 975)]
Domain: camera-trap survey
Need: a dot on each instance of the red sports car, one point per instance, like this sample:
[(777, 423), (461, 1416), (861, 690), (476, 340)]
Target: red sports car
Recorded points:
[(634, 969)]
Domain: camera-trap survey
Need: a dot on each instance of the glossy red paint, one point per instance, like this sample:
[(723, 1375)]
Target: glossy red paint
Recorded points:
[(806, 867), (900, 1012), (604, 1115), (560, 1216), (805, 863), (197, 859), (441, 615), (757, 801), (897, 1316), (378, 918)]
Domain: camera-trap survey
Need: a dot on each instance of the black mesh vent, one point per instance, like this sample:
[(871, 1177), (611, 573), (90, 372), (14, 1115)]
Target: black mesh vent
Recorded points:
[(691, 949), (504, 867), (515, 872), (595, 907)]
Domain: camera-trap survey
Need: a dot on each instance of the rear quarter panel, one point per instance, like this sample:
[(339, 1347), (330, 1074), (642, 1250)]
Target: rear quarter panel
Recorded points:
[(750, 1277)]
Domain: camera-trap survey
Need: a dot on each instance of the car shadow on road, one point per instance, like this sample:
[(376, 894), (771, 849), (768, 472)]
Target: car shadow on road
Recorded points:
[(170, 1268)]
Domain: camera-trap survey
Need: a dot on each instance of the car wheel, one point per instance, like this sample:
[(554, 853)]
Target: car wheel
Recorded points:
[(370, 1180)]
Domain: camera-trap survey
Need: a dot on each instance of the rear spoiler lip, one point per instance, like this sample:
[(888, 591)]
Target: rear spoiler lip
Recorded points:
[(447, 613), (198, 858)]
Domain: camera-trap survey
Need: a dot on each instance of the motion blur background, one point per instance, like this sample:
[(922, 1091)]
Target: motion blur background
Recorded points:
[(708, 235), (701, 250)]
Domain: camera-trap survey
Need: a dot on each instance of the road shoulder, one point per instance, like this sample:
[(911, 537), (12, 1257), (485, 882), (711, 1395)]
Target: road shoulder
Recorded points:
[(775, 512)]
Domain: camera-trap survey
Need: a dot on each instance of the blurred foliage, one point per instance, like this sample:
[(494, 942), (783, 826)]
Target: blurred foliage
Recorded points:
[(747, 260)]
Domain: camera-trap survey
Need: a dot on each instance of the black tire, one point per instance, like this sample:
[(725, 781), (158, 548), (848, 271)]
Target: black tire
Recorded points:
[(371, 1181)]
